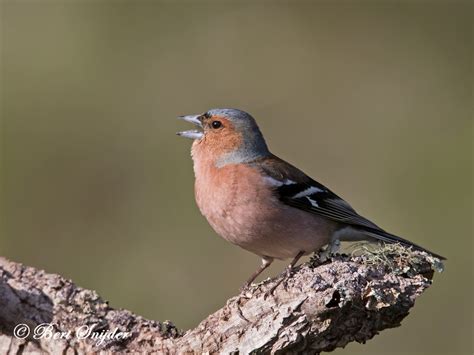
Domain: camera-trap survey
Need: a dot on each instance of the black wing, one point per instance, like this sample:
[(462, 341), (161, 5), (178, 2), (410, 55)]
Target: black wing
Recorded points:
[(314, 197), (298, 190)]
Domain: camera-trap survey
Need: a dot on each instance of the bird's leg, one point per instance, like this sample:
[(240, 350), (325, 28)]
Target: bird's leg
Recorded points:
[(288, 271), (290, 267), (266, 261)]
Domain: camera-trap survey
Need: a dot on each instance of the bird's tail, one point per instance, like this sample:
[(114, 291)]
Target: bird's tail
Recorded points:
[(391, 238)]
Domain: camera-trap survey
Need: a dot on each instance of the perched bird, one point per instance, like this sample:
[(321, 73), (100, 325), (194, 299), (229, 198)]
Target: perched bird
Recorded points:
[(260, 202)]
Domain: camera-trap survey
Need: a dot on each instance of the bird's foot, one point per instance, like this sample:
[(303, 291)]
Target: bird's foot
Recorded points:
[(245, 287), (325, 255), (285, 275)]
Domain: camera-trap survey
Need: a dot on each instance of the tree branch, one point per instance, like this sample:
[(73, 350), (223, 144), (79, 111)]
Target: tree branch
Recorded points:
[(318, 309)]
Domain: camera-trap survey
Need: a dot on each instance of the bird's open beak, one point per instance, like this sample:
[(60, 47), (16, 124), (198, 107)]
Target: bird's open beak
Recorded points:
[(192, 134)]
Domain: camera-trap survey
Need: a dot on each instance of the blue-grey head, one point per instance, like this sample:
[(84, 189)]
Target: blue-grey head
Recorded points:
[(231, 133)]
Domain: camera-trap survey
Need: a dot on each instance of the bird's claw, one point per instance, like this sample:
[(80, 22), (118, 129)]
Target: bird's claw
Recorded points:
[(244, 288), (326, 254), (282, 277)]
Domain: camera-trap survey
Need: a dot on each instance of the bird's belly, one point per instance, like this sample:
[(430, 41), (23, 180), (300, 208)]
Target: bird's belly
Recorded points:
[(245, 211), (265, 226)]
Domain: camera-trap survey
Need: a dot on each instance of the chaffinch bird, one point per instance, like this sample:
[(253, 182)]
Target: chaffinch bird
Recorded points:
[(263, 204)]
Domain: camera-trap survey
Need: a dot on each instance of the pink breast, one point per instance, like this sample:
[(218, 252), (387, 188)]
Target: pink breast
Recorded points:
[(242, 209)]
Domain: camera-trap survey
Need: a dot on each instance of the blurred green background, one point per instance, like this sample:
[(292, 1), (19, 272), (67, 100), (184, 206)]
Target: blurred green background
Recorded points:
[(371, 98)]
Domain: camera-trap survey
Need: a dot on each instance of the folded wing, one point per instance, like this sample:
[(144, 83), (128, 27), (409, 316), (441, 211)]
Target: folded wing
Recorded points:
[(296, 189)]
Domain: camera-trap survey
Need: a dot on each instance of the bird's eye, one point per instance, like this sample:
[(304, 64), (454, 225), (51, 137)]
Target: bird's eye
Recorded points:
[(216, 124)]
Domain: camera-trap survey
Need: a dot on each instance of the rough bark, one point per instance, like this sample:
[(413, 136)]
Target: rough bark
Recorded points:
[(319, 308)]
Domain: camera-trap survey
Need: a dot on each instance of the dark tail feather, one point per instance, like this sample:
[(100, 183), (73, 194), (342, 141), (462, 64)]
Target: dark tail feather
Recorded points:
[(391, 238)]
